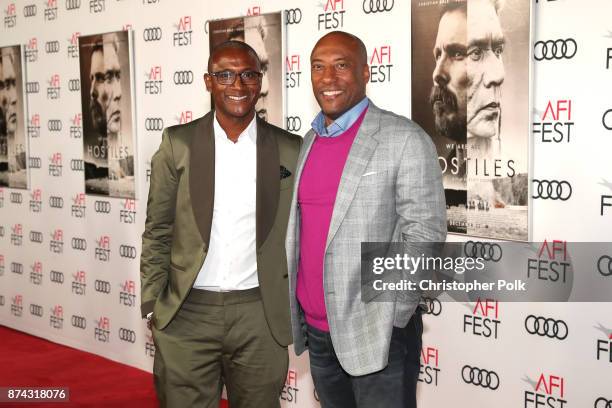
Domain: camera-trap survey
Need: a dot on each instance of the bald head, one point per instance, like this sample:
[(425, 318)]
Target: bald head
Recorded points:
[(232, 45), (346, 39)]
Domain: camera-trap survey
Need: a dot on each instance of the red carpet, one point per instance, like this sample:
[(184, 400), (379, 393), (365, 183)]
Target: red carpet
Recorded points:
[(93, 381)]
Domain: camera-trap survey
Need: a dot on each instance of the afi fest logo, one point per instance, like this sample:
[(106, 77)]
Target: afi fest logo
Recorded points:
[(484, 319), (430, 368), (184, 117), (102, 252), (604, 346), (332, 17), (556, 122), (31, 50), (77, 209), (1, 265), (127, 293), (552, 263), (380, 64), (34, 126), (75, 127), (10, 16), (56, 318), (17, 305), (547, 391), (36, 200), (17, 234), (254, 11), (36, 273), (53, 90), (97, 6), (102, 329), (51, 10), (293, 71), (56, 245), (55, 165), (290, 390), (73, 45), (127, 215), (606, 200), (79, 283), (182, 35), (153, 84)]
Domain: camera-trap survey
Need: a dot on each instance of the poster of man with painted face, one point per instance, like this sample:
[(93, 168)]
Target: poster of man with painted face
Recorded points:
[(108, 138), (13, 141), (471, 69)]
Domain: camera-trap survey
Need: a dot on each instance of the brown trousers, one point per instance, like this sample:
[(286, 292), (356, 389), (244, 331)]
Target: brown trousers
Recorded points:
[(216, 339)]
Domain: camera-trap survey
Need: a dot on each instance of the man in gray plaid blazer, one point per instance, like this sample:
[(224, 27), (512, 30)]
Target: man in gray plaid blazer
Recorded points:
[(363, 175)]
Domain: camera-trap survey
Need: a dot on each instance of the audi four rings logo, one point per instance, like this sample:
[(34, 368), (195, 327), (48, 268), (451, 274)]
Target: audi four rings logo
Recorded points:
[(54, 125), (74, 85), (552, 190), (183, 77), (36, 236), (127, 335), (80, 244), (152, 34), (294, 123), (293, 16), (52, 47), (102, 286), (56, 276), (555, 49), (29, 10), (601, 402), (377, 6), (484, 250), (434, 306), (604, 265), (546, 327), (479, 376), (35, 162), (154, 123), (126, 251), (77, 165), (78, 321), (102, 207), (73, 4), (56, 202), (36, 310), (32, 87)]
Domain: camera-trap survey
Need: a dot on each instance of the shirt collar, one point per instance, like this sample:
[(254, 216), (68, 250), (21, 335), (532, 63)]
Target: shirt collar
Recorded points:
[(250, 133), (341, 124)]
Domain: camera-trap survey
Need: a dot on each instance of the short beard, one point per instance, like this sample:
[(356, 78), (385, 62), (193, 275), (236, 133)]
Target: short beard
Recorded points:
[(449, 121), (98, 117)]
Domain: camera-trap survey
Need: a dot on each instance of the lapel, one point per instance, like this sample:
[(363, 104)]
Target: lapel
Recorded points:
[(202, 175), (268, 181), (358, 158)]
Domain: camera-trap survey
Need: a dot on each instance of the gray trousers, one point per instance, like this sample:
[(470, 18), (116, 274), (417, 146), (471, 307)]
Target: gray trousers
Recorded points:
[(216, 339)]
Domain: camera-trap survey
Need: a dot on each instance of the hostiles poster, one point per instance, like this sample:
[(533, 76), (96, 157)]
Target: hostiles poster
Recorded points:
[(13, 141), (470, 92), (264, 33), (106, 101)]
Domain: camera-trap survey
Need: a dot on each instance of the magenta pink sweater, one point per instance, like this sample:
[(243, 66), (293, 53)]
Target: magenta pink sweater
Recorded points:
[(316, 197)]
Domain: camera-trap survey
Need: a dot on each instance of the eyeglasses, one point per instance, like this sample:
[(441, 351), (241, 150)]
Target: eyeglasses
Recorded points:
[(228, 77)]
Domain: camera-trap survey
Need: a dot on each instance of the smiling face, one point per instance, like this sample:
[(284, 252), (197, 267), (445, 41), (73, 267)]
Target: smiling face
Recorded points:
[(339, 73), (236, 101)]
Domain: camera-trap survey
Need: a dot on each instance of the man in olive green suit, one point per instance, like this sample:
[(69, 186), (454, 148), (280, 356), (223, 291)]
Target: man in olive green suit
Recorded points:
[(213, 264)]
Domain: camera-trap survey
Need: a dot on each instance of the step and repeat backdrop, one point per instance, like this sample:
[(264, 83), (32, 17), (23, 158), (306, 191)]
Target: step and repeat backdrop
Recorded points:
[(86, 87)]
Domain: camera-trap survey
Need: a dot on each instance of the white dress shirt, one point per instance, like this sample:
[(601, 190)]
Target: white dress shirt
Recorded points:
[(231, 262)]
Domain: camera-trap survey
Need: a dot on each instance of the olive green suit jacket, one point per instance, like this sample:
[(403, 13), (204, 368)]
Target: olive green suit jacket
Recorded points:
[(179, 216)]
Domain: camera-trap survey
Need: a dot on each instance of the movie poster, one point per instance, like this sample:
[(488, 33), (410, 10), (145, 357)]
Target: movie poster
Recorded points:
[(264, 33), (471, 93), (13, 141), (106, 101)]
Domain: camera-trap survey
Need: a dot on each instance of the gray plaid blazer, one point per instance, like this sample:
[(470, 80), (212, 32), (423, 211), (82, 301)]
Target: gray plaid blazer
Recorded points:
[(390, 191)]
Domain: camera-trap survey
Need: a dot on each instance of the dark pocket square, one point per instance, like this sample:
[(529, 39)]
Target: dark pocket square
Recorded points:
[(284, 173)]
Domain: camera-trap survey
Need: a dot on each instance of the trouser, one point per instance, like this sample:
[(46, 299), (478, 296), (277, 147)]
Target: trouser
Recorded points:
[(216, 339), (392, 387)]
